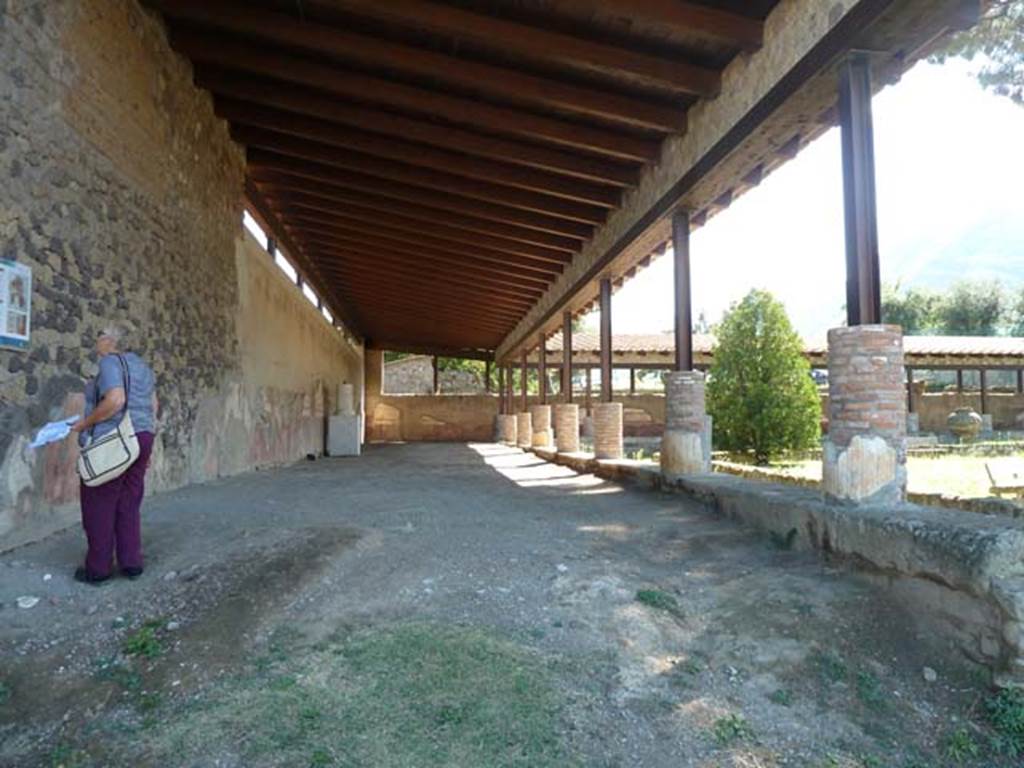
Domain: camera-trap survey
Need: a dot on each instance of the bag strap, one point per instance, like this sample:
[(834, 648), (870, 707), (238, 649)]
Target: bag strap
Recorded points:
[(127, 379)]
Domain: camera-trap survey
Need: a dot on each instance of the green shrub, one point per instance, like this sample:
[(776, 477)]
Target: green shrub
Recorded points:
[(760, 392)]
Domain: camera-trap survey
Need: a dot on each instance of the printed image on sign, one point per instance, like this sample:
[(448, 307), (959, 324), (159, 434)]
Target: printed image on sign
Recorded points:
[(15, 304)]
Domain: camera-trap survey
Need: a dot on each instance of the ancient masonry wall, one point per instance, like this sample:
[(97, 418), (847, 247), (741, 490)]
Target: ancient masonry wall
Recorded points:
[(123, 192)]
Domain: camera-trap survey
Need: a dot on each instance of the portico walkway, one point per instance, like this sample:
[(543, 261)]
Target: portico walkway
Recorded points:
[(808, 658)]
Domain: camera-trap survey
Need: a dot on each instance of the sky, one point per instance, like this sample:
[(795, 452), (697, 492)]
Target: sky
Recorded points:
[(949, 174)]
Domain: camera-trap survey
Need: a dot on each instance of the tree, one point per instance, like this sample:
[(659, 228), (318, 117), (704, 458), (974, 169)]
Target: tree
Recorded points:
[(760, 392), (999, 37), (915, 310), (972, 308), (1017, 327)]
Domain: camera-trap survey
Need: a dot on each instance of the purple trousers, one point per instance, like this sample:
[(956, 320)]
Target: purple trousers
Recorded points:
[(110, 516)]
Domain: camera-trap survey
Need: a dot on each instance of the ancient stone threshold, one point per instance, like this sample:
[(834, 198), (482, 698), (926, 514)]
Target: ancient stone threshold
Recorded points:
[(961, 575)]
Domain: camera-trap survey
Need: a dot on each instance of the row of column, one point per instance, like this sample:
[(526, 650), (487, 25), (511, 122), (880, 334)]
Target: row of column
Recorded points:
[(864, 454)]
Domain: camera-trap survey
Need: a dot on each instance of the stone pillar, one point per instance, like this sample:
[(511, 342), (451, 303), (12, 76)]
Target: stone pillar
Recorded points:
[(540, 422), (608, 430), (505, 429), (686, 443), (567, 428), (865, 454), (524, 430)]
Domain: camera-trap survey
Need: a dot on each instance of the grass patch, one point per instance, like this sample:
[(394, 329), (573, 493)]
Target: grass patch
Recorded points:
[(960, 746), (782, 697), (830, 665), (144, 641), (659, 600), (411, 695), (869, 690), (731, 728), (1006, 715)]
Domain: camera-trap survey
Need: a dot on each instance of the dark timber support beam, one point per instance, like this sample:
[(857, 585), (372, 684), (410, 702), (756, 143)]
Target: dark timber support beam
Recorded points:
[(863, 290), (910, 389), (502, 395), (984, 395), (522, 382), (632, 380), (567, 357), (960, 380), (487, 376), (542, 369), (606, 340), (1020, 381), (681, 272), (437, 381)]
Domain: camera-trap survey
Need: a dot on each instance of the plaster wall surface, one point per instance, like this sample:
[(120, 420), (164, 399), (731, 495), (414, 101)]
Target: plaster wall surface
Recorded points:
[(123, 192)]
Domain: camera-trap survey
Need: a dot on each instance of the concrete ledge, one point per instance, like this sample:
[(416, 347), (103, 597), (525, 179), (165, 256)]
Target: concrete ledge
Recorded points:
[(959, 574)]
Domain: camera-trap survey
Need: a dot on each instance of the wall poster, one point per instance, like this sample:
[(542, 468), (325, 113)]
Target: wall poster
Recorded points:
[(15, 304)]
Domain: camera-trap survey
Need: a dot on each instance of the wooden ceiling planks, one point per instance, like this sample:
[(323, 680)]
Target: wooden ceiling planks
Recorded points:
[(437, 164)]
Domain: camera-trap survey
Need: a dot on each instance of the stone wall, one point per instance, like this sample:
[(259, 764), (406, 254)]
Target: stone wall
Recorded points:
[(414, 375), (123, 193)]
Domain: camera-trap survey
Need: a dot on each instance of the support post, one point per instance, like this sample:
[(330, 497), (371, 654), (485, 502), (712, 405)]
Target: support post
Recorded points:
[(487, 377), (1020, 381), (567, 357), (863, 292), (522, 382), (606, 340), (437, 380), (501, 388), (271, 246), (913, 420), (542, 370), (983, 380), (960, 380), (509, 390), (684, 311), (632, 380)]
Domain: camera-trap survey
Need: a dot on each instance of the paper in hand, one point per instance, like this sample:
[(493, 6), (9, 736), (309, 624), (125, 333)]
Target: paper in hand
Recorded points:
[(52, 432)]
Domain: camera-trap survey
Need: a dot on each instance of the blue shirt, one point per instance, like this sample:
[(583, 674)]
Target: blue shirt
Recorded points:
[(140, 394)]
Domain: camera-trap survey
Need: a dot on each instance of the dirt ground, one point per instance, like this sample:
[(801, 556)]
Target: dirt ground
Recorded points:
[(440, 604)]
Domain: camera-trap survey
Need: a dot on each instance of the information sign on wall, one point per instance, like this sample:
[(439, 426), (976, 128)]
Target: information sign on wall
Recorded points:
[(15, 304)]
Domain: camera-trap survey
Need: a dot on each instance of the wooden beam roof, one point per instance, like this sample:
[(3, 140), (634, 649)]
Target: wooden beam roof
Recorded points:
[(433, 165)]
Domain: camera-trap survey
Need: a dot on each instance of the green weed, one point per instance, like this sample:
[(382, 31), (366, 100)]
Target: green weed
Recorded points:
[(1006, 714), (830, 665), (960, 746), (144, 641), (662, 601), (869, 690), (782, 697), (731, 728), (65, 756)]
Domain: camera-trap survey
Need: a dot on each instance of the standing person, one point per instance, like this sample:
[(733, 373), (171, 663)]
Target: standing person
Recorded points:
[(110, 512)]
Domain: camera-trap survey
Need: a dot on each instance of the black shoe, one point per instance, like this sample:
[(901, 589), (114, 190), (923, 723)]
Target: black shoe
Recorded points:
[(82, 575), (131, 573)]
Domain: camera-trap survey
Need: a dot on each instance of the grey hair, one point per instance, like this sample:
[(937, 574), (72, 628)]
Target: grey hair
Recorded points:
[(118, 333)]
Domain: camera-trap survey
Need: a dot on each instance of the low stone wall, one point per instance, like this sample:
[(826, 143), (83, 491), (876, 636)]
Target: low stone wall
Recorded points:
[(419, 418), (960, 575)]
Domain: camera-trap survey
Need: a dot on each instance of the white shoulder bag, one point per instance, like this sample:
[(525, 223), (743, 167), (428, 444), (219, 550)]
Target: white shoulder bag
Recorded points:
[(109, 456)]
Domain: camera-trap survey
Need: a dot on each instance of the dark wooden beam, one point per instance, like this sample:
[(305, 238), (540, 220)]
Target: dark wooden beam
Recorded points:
[(538, 44), (467, 353), (983, 382), (437, 381), (261, 160), (504, 82), (307, 101), (567, 356), (542, 369), (910, 389), (690, 18), (606, 340), (527, 271), (214, 49), (244, 115), (414, 176), (401, 227), (681, 280), (863, 286), (632, 380), (487, 377), (522, 382), (453, 303), (318, 197)]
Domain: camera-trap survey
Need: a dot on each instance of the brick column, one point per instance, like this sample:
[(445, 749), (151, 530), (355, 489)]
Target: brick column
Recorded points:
[(540, 422), (608, 430), (865, 453), (524, 430), (505, 429), (686, 442), (567, 427)]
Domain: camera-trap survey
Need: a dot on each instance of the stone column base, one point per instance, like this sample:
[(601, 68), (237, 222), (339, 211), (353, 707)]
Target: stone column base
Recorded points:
[(567, 428), (686, 442), (505, 429), (524, 430), (540, 416), (608, 430), (864, 458)]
